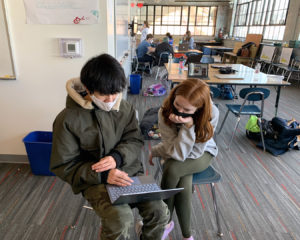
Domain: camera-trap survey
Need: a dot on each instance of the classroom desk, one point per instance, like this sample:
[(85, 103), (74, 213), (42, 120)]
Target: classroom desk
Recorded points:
[(200, 44), (219, 49), (247, 73), (186, 51)]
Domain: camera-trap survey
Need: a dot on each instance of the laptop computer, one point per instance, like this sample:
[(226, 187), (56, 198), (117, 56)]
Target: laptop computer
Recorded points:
[(183, 47), (144, 188)]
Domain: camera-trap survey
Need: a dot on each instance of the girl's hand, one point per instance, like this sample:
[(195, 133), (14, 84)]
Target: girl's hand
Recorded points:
[(150, 159), (177, 119)]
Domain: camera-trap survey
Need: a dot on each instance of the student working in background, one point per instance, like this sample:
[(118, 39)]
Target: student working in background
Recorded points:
[(144, 31), (188, 39), (187, 121), (171, 40), (144, 50), (163, 47), (96, 140)]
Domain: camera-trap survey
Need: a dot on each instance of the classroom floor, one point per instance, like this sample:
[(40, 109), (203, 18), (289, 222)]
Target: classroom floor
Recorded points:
[(258, 196)]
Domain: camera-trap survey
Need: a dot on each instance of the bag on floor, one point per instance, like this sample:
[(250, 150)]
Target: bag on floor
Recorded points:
[(226, 92), (155, 90), (286, 136), (252, 129), (149, 124)]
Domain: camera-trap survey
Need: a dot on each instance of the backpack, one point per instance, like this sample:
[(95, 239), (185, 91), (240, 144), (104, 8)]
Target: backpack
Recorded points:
[(253, 129), (149, 124), (155, 90), (226, 92), (286, 135)]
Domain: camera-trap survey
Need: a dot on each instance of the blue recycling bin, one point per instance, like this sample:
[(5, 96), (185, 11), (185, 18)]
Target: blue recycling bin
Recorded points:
[(135, 83), (38, 146)]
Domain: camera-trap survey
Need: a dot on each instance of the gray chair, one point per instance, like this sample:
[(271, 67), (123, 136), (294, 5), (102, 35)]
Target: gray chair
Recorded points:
[(293, 68)]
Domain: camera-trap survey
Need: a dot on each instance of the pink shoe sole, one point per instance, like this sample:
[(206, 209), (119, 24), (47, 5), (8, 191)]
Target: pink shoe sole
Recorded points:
[(168, 230)]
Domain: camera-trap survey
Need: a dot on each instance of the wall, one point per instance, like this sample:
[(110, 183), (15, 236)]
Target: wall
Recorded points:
[(33, 100), (292, 21)]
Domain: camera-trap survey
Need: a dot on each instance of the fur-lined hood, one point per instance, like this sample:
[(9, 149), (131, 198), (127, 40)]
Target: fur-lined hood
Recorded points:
[(75, 87)]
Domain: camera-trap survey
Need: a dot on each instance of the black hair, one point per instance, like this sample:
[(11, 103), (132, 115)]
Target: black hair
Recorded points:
[(103, 74)]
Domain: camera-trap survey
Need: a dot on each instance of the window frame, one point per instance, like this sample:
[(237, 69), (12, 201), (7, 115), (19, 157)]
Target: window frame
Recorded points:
[(187, 25), (265, 22)]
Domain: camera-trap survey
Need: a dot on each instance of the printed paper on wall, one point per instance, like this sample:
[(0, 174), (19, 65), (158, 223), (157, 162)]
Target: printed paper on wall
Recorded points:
[(62, 11)]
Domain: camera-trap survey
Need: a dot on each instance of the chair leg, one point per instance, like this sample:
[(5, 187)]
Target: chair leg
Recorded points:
[(288, 78), (223, 122), (157, 73), (261, 134), (212, 185), (235, 128)]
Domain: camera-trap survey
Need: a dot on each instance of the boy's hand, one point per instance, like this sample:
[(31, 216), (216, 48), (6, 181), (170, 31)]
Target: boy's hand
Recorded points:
[(104, 164), (119, 178)]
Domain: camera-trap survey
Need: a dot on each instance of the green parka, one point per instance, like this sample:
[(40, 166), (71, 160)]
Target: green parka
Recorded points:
[(83, 134)]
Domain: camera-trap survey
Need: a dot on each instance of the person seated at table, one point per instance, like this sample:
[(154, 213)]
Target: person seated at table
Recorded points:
[(144, 50), (164, 46), (187, 38), (171, 40)]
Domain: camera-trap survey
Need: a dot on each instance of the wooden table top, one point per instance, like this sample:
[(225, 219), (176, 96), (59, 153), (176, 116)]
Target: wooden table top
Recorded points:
[(186, 51), (218, 47), (246, 74)]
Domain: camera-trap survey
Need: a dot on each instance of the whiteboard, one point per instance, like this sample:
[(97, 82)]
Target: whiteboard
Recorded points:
[(7, 71), (121, 28)]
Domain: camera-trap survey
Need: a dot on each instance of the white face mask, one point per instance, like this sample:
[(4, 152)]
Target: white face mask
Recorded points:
[(103, 105)]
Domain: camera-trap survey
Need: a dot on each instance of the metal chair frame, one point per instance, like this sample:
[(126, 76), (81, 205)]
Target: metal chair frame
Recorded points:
[(293, 68), (160, 56), (238, 115), (146, 64)]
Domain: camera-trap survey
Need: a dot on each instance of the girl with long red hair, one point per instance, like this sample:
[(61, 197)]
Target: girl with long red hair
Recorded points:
[(187, 121)]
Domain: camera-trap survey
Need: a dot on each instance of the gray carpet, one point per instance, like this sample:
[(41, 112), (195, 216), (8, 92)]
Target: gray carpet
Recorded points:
[(258, 196)]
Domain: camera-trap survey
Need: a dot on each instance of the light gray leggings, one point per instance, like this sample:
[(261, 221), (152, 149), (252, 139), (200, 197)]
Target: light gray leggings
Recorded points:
[(180, 174)]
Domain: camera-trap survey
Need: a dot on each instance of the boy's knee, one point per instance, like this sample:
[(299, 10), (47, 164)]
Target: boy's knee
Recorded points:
[(117, 223), (156, 211)]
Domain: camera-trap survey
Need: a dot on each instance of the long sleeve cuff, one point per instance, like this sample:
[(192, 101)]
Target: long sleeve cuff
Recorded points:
[(118, 158), (104, 176)]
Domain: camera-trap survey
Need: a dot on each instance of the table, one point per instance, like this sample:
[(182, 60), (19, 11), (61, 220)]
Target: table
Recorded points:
[(200, 44), (186, 51), (221, 49), (250, 78)]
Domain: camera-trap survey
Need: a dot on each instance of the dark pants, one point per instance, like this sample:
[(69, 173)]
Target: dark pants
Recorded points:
[(146, 58), (116, 220), (180, 174)]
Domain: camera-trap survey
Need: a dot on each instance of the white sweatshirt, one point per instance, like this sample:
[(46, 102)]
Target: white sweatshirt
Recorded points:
[(180, 144)]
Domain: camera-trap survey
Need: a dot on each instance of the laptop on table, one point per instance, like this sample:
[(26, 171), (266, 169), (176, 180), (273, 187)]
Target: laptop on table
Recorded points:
[(183, 47), (143, 189)]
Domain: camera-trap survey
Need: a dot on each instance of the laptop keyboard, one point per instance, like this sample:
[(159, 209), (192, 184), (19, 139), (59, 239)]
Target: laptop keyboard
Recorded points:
[(134, 188)]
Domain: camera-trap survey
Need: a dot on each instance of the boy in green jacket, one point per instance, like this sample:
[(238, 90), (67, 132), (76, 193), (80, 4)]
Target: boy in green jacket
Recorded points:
[(96, 140)]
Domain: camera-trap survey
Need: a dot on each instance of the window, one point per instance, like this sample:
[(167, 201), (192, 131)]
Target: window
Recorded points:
[(265, 17), (178, 19)]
